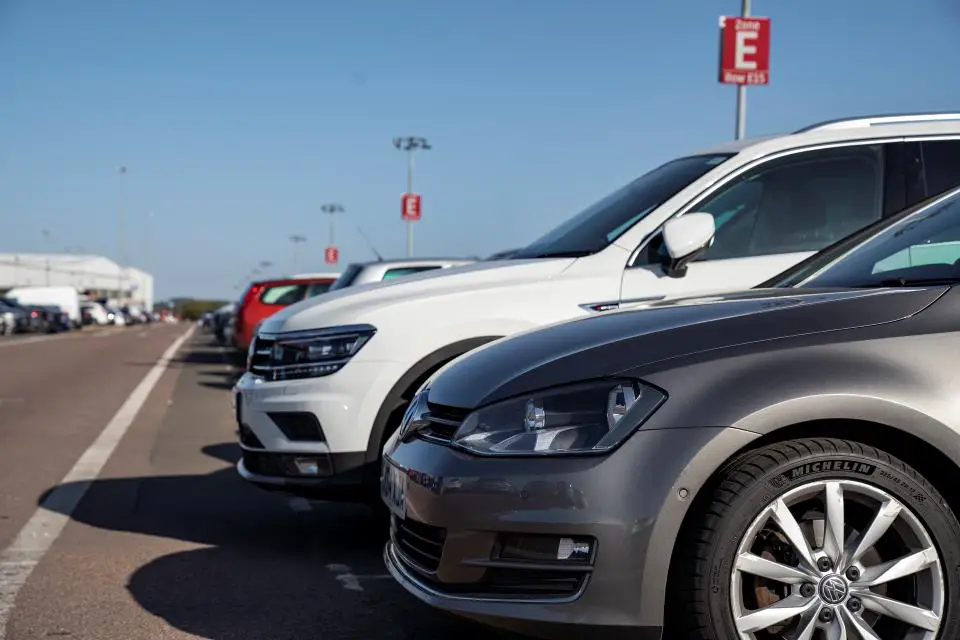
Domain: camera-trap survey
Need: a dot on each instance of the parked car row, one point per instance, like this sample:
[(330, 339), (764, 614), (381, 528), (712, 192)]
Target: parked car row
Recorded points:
[(39, 309), (719, 403), (238, 323)]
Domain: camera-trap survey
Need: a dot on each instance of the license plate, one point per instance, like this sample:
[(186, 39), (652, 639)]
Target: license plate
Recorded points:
[(393, 489)]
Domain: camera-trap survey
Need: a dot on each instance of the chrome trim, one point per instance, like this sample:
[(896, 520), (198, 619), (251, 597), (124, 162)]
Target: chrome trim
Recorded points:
[(412, 584), (325, 332)]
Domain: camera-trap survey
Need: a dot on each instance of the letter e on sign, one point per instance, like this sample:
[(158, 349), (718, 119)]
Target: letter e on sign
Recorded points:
[(744, 50), (411, 207), (331, 255)]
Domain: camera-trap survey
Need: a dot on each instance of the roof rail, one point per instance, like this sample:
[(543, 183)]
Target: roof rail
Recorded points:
[(872, 121)]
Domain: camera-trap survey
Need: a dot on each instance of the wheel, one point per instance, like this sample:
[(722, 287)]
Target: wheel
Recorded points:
[(819, 539)]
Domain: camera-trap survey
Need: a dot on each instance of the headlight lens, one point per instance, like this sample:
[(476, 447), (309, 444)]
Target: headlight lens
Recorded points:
[(585, 418), (312, 354)]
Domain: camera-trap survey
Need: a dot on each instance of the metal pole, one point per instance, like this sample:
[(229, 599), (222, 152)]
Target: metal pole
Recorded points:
[(741, 130), (410, 191), (123, 171), (331, 228)]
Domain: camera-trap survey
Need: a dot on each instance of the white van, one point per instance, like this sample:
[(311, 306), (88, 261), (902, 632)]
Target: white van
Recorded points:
[(67, 298)]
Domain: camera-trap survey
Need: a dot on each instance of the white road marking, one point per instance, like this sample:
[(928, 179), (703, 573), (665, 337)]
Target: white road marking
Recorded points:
[(26, 551), (351, 581)]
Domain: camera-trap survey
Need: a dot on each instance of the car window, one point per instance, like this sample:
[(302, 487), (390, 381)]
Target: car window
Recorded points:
[(317, 288), (941, 166), (924, 245), (284, 294), (405, 271), (798, 203), (600, 224)]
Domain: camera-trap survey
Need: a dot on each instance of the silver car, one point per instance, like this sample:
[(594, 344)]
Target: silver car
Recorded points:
[(358, 273), (774, 464)]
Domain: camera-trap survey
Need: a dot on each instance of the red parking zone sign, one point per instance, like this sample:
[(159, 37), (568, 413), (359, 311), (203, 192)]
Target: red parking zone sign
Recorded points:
[(411, 207), (744, 50), (331, 255)]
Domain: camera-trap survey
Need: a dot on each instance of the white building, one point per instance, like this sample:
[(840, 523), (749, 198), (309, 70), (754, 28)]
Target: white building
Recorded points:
[(99, 276)]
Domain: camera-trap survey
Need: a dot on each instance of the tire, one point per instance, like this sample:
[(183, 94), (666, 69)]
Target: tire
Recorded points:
[(794, 473)]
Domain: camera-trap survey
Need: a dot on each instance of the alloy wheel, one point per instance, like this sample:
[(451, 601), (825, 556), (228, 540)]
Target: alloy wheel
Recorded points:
[(837, 560)]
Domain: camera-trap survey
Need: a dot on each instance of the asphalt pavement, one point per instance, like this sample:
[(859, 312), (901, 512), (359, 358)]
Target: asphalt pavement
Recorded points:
[(122, 518)]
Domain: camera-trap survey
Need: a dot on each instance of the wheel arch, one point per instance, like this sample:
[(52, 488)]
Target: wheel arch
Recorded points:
[(392, 408)]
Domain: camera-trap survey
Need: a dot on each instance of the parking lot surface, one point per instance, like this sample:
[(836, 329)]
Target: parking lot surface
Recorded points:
[(166, 541)]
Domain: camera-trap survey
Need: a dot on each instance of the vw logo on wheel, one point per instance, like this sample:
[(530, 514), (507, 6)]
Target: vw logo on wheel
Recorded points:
[(833, 590)]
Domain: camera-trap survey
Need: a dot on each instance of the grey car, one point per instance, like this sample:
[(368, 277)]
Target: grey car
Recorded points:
[(774, 463)]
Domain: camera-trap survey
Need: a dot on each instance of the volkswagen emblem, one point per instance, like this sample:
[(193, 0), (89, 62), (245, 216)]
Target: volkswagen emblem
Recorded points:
[(833, 590)]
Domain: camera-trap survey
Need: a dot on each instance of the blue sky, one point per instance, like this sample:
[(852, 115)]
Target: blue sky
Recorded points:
[(239, 118)]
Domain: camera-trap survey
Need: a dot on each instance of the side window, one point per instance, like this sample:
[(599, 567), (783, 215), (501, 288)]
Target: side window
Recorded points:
[(405, 271), (941, 166), (798, 203), (317, 288), (284, 294)]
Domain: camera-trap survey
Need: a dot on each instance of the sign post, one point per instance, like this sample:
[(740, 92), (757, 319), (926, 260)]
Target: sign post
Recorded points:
[(331, 255), (744, 57)]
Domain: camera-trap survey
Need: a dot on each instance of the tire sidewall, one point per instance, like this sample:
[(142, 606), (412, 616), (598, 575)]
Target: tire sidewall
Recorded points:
[(936, 516)]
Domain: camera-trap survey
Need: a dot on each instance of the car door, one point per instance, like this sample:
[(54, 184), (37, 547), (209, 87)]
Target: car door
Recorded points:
[(774, 214)]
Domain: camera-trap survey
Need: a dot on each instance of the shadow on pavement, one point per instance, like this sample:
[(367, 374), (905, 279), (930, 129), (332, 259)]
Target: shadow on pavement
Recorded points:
[(265, 572)]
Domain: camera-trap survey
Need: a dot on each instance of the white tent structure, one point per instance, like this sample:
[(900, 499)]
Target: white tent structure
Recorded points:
[(101, 277)]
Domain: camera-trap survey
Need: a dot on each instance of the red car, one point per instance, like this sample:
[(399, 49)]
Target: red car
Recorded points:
[(266, 297)]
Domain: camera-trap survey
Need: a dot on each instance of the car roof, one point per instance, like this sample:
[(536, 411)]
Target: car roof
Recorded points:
[(850, 128)]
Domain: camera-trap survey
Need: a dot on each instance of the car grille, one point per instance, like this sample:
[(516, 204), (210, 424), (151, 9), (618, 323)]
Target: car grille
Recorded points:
[(259, 361), (420, 544), (444, 422)]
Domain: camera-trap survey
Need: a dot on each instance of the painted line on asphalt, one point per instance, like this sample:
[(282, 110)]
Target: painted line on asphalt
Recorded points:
[(26, 551), (351, 581)]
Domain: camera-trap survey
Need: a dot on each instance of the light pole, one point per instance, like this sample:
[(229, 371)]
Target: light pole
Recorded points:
[(331, 209), (296, 239), (46, 236), (146, 240), (410, 144), (121, 172)]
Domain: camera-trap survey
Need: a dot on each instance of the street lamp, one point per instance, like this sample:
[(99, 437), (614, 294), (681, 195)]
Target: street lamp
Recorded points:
[(410, 144), (331, 209), (121, 172), (296, 239)]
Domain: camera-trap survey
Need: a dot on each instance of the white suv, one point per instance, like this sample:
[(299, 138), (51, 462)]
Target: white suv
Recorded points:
[(329, 379)]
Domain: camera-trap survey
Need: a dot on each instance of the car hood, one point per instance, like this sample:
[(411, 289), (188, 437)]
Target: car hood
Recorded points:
[(615, 342), (346, 306)]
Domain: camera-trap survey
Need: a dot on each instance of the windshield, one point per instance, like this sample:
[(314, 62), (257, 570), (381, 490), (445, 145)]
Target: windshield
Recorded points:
[(603, 222), (921, 246), (347, 277)]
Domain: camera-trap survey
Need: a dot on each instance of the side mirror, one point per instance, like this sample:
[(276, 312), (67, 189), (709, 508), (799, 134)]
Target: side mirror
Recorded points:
[(686, 238)]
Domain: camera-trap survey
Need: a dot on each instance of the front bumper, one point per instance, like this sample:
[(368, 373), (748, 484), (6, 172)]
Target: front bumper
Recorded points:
[(324, 421), (464, 504)]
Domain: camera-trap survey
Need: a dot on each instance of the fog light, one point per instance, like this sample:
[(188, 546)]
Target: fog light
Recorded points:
[(570, 549), (307, 466), (539, 548)]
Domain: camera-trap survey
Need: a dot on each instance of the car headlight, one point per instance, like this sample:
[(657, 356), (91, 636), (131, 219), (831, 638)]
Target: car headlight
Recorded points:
[(308, 354), (584, 418)]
